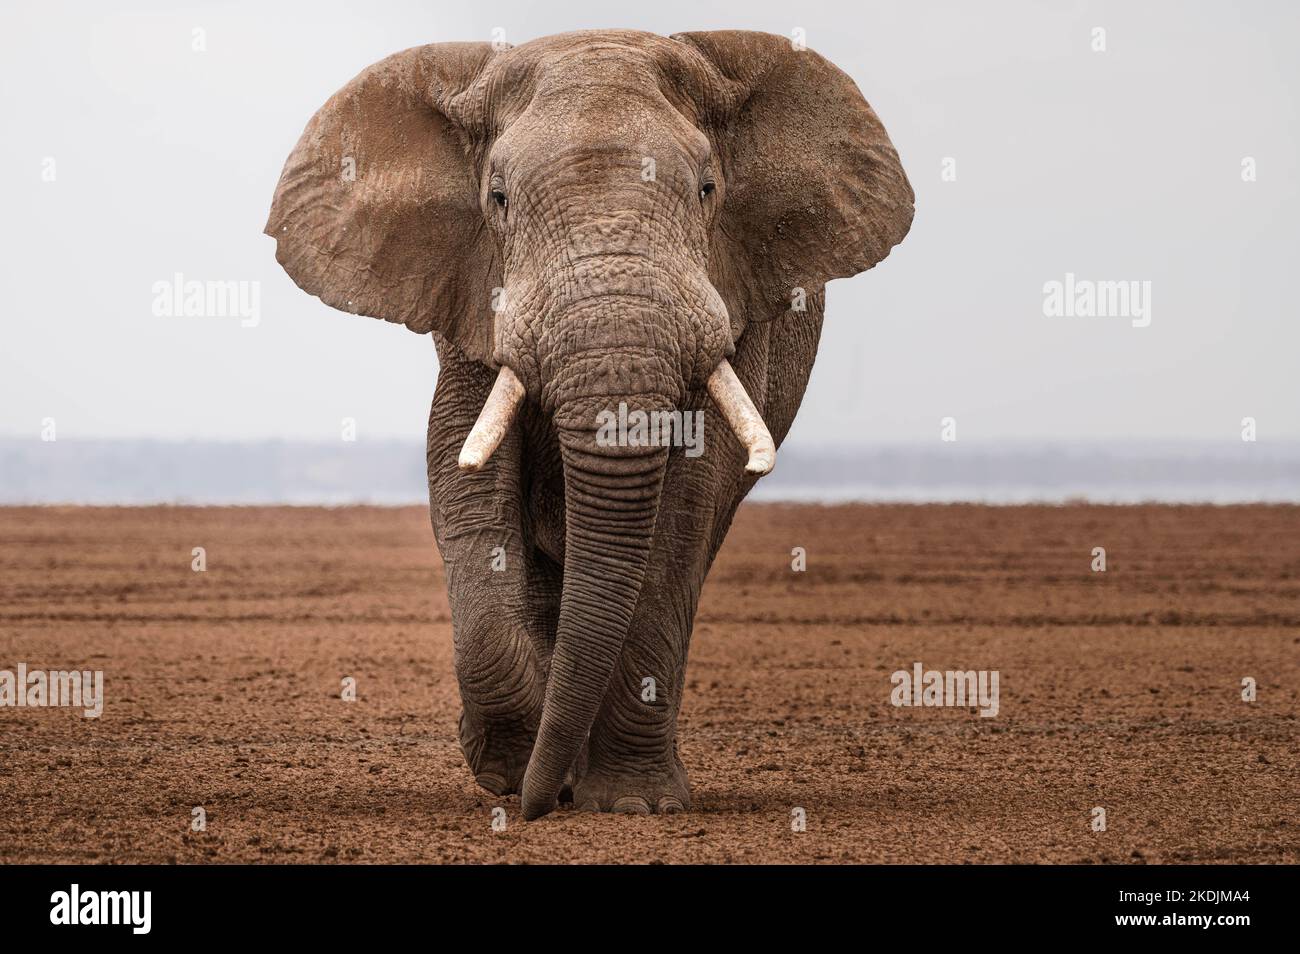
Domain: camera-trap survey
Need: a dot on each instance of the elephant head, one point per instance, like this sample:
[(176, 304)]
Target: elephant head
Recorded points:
[(598, 215)]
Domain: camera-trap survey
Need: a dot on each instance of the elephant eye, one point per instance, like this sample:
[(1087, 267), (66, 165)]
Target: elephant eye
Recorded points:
[(706, 190), (499, 198)]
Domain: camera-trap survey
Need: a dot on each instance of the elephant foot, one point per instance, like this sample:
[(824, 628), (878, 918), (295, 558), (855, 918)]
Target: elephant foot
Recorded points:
[(497, 755), (630, 790)]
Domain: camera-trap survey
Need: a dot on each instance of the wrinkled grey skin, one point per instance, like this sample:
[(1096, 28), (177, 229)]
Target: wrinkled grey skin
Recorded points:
[(526, 169)]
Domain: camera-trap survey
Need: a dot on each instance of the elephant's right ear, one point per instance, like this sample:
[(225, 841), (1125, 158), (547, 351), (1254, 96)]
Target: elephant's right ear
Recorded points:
[(377, 210)]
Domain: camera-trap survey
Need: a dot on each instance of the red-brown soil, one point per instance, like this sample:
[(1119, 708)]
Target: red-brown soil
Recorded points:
[(1119, 690)]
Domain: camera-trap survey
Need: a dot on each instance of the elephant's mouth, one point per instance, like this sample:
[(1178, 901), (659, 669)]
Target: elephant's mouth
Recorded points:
[(724, 387)]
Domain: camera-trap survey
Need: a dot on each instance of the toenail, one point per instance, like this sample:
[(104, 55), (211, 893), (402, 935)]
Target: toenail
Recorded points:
[(631, 805)]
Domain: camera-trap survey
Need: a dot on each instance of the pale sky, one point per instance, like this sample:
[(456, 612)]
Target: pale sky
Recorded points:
[(1122, 165)]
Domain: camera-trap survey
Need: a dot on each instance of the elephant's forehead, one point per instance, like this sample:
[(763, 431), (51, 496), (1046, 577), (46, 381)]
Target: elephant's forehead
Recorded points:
[(597, 70), (604, 109), (581, 138), (594, 70), (630, 41)]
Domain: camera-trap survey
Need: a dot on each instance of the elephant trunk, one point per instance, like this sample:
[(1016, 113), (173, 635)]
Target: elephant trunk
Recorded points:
[(611, 505)]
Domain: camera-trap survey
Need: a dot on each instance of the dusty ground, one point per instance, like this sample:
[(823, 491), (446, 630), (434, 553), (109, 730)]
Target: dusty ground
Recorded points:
[(1119, 689)]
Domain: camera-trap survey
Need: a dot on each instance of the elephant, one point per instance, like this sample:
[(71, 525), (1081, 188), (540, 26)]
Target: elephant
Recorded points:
[(598, 222)]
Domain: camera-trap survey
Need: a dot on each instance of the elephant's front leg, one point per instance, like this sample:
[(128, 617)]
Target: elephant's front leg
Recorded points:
[(632, 762), (497, 586), (500, 664)]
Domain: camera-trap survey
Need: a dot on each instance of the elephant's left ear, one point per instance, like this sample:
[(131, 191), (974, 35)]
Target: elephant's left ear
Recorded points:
[(814, 188), (377, 211)]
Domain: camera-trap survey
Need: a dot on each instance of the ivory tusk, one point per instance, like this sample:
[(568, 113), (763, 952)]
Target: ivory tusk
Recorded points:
[(493, 421), (734, 403)]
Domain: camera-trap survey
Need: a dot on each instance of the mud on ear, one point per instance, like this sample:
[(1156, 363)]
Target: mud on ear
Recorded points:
[(814, 187), (377, 210)]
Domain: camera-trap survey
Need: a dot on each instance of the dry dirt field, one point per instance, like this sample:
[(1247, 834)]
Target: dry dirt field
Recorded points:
[(1120, 690)]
